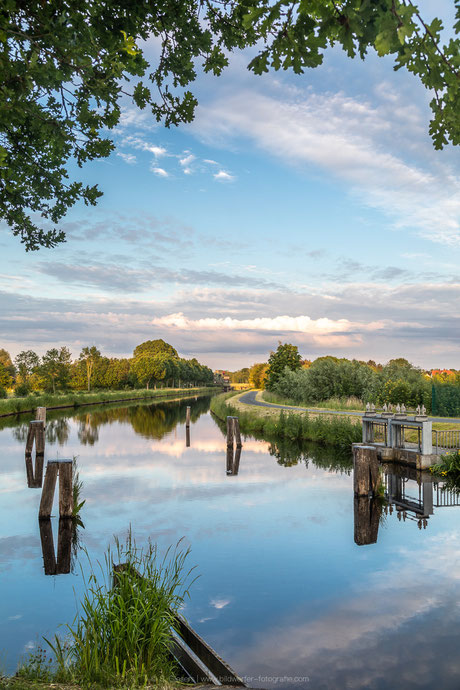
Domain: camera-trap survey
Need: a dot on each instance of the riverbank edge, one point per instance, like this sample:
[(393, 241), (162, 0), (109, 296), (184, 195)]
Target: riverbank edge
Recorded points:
[(74, 400), (292, 424)]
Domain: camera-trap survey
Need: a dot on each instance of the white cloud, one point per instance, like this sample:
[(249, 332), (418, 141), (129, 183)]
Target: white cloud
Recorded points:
[(352, 140), (225, 176), (138, 143), (129, 158), (296, 324), (161, 172)]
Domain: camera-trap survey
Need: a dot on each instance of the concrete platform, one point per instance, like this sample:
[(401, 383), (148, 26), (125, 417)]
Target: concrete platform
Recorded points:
[(406, 456)]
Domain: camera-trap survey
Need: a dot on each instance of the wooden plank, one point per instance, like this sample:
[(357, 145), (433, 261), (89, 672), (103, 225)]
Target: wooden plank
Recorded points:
[(65, 489), (221, 670), (49, 485), (188, 664)]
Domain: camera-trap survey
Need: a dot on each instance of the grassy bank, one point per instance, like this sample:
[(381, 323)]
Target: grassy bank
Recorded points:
[(292, 424), (352, 404), (12, 406)]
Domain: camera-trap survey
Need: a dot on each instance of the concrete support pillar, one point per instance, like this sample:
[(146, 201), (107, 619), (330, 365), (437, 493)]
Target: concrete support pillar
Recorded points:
[(427, 437)]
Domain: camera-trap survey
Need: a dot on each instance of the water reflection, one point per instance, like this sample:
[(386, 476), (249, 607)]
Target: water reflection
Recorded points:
[(233, 460), (68, 544), (34, 475)]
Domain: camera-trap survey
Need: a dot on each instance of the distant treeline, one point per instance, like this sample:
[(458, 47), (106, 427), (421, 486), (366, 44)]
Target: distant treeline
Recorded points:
[(154, 363), (345, 382)]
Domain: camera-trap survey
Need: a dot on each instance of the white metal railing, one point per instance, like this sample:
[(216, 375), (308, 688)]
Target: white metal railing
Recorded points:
[(447, 439)]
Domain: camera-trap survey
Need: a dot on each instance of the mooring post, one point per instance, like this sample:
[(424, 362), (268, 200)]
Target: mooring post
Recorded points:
[(36, 433), (187, 417), (230, 432), (366, 470), (427, 437), (236, 429), (65, 489), (40, 414), (187, 437), (49, 486), (229, 460)]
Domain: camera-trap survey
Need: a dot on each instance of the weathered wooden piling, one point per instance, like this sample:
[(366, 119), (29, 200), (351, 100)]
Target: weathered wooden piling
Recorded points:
[(63, 468), (366, 470), (36, 434), (40, 414), (187, 417), (65, 489), (229, 432), (236, 430), (187, 437)]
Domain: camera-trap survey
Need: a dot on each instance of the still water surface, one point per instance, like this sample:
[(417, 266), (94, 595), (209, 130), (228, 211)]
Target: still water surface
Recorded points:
[(285, 594)]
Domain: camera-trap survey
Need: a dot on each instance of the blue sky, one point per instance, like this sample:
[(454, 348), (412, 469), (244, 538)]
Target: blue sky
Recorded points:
[(309, 209)]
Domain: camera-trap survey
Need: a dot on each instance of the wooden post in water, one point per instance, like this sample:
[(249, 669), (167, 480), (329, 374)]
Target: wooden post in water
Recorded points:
[(49, 485), (366, 470), (40, 414), (36, 434), (236, 429), (65, 489), (64, 468), (187, 417), (229, 432), (187, 437), (229, 460)]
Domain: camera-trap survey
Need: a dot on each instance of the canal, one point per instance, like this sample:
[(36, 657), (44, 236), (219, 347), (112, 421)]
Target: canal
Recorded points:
[(285, 593)]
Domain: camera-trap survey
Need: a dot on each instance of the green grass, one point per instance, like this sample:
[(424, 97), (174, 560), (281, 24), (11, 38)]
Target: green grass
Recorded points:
[(11, 406), (351, 404), (121, 635), (273, 423)]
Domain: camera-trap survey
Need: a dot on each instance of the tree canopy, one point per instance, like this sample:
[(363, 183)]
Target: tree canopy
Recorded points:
[(66, 66)]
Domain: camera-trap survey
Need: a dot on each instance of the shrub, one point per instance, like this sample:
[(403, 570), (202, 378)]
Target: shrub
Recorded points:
[(21, 390), (3, 393)]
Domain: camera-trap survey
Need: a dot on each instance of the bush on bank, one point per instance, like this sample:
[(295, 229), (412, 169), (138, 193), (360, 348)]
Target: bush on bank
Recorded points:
[(333, 430)]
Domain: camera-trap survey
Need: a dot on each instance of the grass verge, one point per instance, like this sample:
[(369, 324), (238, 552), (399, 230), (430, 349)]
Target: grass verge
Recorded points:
[(292, 424), (11, 406), (122, 634)]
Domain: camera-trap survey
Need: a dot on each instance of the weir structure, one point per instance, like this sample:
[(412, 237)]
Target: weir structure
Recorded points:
[(400, 438)]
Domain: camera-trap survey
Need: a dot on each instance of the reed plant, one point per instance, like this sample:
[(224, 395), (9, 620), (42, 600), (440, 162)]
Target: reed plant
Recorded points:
[(122, 634), (448, 470)]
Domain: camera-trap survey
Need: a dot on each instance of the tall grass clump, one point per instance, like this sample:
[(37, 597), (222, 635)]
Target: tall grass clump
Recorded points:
[(122, 634), (339, 431)]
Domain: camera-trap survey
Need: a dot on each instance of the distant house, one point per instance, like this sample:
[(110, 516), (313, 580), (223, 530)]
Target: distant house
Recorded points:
[(444, 374)]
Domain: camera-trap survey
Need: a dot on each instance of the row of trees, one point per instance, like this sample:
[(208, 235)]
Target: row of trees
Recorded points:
[(302, 381), (154, 363)]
